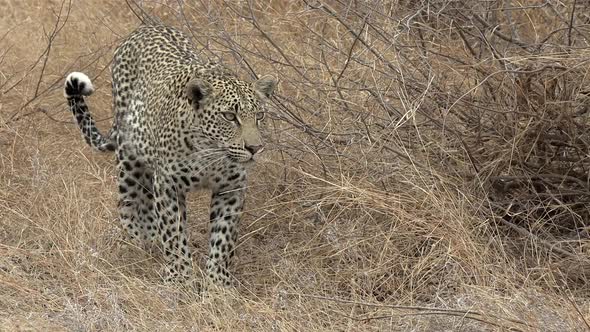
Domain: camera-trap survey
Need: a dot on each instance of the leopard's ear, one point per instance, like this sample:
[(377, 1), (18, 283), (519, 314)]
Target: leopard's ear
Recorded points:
[(197, 90), (266, 85)]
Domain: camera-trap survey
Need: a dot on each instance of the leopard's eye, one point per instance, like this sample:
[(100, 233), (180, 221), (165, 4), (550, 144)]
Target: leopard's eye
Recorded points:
[(229, 116), (260, 116)]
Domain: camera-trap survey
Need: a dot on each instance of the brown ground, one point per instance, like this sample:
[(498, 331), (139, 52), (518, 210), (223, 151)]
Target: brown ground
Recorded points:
[(364, 215)]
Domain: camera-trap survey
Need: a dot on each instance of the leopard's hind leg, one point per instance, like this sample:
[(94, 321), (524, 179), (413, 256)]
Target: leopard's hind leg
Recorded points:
[(136, 197)]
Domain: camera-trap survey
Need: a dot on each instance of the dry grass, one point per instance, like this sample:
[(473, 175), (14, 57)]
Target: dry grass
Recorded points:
[(427, 170)]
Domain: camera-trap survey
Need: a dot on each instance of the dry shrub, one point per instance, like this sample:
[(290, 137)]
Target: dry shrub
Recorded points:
[(514, 123), (426, 169)]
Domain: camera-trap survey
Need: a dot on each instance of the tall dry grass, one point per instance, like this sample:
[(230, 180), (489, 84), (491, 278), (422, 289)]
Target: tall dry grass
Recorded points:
[(427, 169)]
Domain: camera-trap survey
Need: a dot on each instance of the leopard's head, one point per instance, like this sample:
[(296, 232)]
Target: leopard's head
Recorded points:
[(229, 112)]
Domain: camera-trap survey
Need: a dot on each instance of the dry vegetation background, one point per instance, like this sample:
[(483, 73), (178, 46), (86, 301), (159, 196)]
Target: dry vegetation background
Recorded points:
[(427, 169)]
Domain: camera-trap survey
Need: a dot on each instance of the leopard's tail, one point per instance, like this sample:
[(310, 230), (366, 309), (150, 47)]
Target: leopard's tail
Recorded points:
[(77, 86)]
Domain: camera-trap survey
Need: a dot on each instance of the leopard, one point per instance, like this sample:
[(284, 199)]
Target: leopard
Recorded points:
[(180, 124)]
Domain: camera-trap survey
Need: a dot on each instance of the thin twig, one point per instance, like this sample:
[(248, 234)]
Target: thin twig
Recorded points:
[(571, 24), (431, 310)]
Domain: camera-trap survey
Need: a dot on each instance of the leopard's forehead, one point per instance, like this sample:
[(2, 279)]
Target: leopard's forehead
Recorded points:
[(235, 95)]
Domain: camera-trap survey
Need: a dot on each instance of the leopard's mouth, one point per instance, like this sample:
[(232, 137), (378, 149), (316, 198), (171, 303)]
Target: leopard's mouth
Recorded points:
[(241, 156)]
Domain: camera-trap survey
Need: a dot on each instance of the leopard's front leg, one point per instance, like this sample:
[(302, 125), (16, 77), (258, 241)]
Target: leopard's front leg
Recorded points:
[(225, 213), (170, 208)]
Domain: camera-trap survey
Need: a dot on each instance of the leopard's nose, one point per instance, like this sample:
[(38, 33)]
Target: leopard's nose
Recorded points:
[(253, 149)]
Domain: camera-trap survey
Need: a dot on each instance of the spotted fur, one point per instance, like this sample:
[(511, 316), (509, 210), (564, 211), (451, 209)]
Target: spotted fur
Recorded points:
[(181, 124)]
